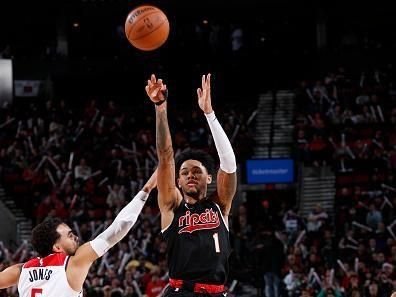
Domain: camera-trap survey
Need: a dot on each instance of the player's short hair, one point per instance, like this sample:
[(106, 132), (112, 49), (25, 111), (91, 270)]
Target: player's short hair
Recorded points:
[(44, 235), (201, 156)]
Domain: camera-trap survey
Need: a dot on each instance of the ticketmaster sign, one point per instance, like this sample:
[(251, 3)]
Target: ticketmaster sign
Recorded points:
[(268, 171)]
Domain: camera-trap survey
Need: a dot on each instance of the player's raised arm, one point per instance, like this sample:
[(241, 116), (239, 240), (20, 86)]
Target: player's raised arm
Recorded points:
[(168, 195), (80, 263), (226, 177)]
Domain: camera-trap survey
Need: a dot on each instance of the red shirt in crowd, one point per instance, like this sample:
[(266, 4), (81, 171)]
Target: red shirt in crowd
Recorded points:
[(154, 287)]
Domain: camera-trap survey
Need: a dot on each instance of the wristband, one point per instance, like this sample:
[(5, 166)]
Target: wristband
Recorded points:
[(165, 93)]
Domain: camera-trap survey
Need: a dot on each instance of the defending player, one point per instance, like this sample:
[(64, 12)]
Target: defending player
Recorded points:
[(62, 265)]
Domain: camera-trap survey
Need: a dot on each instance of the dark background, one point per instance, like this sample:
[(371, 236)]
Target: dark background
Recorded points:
[(280, 44)]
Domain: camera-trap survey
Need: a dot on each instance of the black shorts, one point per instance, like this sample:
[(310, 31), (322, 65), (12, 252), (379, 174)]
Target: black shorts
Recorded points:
[(172, 292)]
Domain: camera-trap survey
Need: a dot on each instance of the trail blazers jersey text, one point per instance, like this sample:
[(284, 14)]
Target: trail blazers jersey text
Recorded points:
[(198, 243)]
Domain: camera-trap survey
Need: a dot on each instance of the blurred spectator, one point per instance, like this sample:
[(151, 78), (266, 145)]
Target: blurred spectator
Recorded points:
[(155, 285), (374, 217), (292, 222), (82, 170), (316, 219)]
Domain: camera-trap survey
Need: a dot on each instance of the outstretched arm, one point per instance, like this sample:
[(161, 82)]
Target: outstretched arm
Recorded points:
[(226, 177), (80, 263), (168, 195), (10, 276)]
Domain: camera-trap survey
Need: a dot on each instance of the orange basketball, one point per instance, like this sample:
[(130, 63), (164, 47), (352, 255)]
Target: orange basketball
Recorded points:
[(147, 27)]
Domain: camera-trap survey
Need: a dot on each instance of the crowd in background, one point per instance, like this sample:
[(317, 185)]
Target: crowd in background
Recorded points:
[(348, 121), (83, 165)]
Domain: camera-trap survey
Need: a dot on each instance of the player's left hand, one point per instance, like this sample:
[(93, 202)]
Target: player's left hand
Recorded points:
[(204, 99)]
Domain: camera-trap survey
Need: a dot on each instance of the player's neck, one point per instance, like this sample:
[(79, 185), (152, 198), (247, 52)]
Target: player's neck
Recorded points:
[(190, 200), (193, 200)]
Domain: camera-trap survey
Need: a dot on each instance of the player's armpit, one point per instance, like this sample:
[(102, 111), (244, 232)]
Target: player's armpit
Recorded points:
[(10, 276), (167, 210), (169, 196)]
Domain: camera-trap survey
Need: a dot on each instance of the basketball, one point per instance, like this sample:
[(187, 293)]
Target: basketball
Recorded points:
[(147, 27)]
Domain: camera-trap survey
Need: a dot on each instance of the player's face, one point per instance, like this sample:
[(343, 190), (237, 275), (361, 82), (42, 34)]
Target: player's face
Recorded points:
[(193, 179), (68, 242)]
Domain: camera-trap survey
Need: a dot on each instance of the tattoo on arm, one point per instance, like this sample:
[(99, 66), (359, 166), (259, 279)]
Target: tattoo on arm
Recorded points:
[(164, 141)]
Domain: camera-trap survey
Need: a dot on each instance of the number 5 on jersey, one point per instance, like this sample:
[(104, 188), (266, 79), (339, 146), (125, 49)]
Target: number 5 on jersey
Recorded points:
[(36, 292)]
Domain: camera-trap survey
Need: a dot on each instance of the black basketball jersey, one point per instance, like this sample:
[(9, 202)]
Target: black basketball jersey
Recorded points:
[(198, 243)]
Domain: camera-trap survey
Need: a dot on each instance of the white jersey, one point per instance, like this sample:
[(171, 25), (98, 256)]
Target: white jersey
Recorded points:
[(46, 277)]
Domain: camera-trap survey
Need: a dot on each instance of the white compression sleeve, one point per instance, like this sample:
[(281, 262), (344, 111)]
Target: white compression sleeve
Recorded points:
[(120, 226), (223, 145)]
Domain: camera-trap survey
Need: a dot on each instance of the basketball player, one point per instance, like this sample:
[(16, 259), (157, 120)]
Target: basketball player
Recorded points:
[(194, 225), (62, 265)]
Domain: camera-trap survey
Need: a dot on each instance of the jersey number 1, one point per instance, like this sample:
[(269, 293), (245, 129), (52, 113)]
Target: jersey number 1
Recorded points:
[(36, 292), (216, 242)]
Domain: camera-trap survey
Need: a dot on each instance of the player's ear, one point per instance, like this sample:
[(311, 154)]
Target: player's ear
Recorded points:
[(209, 180), (56, 248), (178, 183)]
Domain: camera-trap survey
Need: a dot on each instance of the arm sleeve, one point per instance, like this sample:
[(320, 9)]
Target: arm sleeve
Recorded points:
[(120, 226), (223, 145)]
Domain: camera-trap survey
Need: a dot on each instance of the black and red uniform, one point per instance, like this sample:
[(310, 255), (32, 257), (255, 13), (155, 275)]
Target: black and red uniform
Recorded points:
[(198, 248)]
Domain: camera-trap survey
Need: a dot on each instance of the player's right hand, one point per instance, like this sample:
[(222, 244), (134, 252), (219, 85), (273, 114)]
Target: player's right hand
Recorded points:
[(155, 89)]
